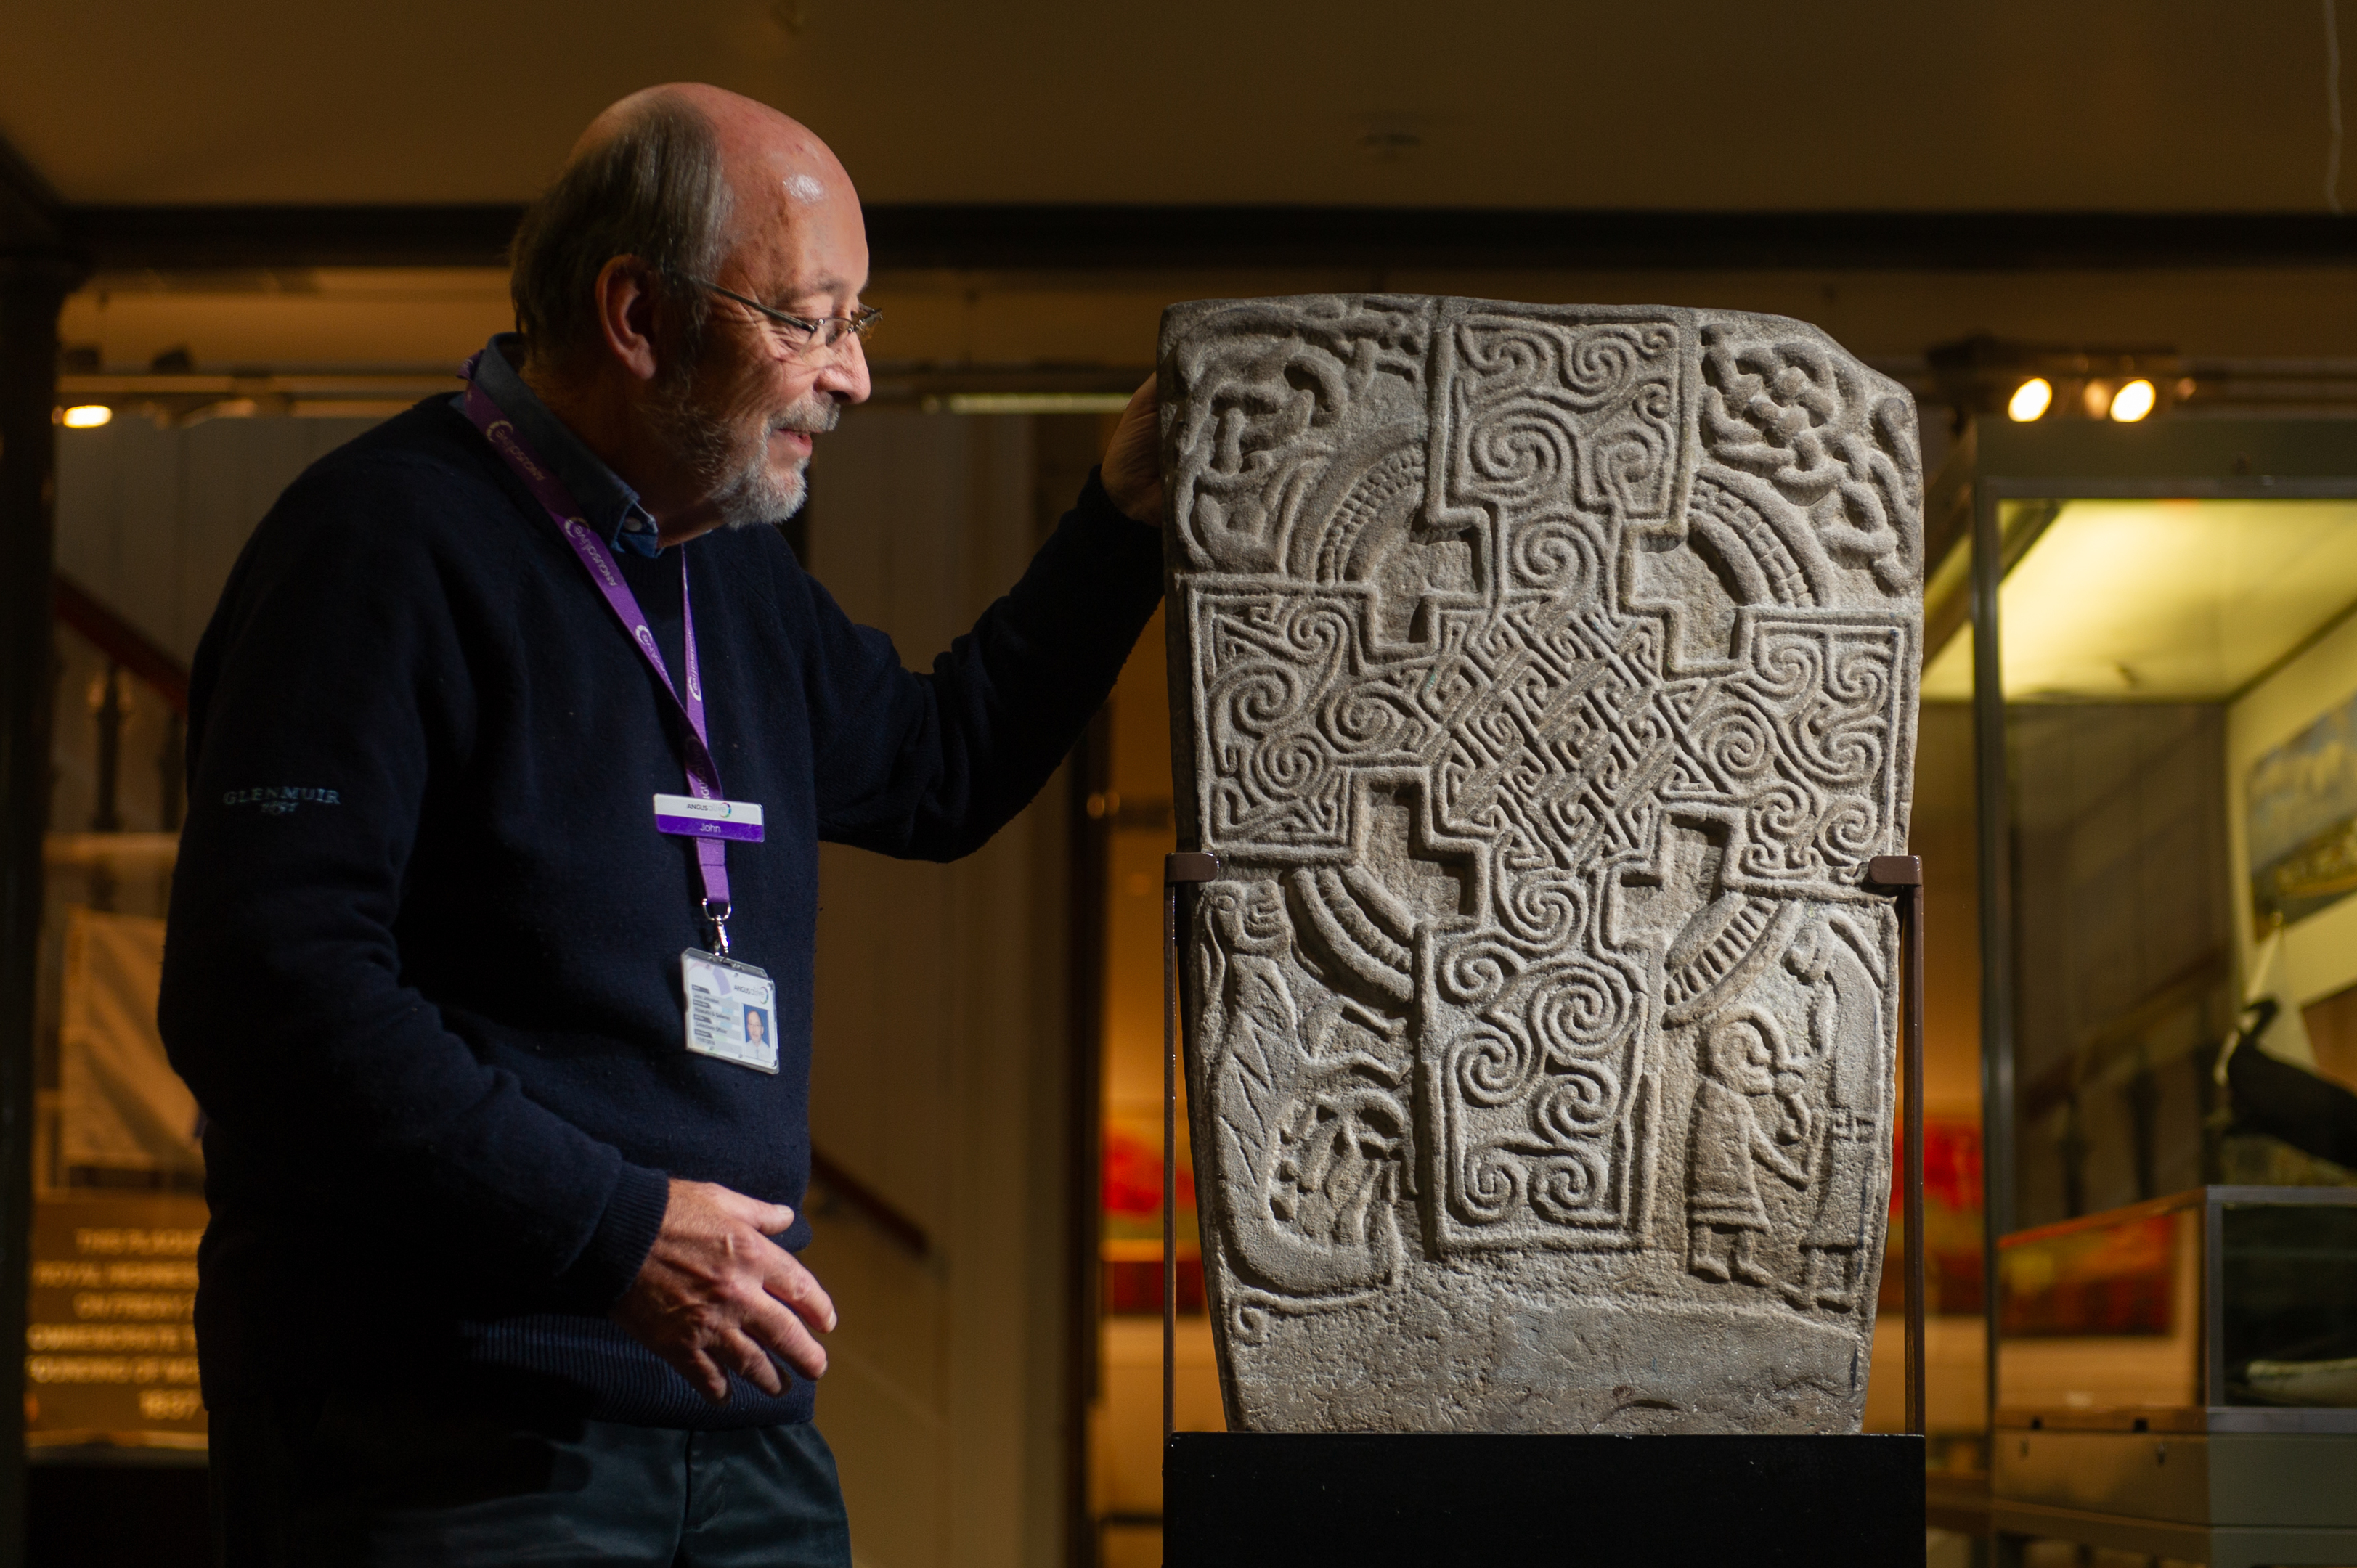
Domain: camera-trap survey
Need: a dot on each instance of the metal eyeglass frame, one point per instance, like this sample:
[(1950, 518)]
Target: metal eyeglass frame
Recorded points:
[(815, 333)]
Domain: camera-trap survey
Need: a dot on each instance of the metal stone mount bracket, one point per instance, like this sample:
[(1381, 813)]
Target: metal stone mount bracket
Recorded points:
[(1190, 866), (1178, 869), (1901, 875)]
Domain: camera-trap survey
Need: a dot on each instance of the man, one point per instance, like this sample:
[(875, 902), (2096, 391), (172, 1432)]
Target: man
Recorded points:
[(502, 1261)]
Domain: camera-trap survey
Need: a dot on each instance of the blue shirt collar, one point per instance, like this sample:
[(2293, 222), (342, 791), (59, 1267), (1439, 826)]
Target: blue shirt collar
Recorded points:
[(606, 504)]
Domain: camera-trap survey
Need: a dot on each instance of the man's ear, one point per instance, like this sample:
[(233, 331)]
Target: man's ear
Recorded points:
[(627, 304)]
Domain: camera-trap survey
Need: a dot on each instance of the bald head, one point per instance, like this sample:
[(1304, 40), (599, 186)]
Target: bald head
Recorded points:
[(698, 181), (790, 196)]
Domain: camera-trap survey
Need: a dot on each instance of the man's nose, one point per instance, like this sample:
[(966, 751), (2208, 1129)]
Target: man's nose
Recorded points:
[(845, 375)]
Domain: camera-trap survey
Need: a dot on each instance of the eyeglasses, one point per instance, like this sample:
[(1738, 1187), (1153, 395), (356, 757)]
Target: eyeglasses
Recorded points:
[(798, 335)]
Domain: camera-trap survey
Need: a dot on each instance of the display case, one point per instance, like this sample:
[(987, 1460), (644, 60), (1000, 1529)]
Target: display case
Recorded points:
[(2222, 1309), (2178, 1378)]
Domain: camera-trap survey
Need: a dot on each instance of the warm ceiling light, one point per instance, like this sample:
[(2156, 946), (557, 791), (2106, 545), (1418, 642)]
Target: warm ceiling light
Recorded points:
[(2031, 400), (2133, 401), (86, 416)]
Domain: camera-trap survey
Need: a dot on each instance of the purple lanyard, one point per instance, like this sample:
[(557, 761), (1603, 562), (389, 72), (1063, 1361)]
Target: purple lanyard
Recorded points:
[(597, 559)]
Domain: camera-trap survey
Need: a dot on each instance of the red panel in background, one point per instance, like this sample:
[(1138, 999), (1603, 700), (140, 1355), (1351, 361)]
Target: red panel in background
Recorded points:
[(1134, 1288)]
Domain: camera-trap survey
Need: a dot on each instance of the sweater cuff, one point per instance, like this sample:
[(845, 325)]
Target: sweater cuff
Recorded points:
[(1118, 542), (618, 1249), (1097, 506)]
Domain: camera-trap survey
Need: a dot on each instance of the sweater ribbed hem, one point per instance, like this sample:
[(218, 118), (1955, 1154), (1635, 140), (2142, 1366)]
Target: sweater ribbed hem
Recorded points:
[(593, 1366)]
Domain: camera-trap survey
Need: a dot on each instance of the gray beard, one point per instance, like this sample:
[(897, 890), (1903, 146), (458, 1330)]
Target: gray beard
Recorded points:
[(726, 447)]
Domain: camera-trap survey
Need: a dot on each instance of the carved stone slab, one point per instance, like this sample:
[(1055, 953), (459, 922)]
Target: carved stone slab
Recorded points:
[(1544, 677)]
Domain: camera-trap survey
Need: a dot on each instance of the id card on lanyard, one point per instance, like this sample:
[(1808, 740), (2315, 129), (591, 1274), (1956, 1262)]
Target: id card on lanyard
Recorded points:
[(731, 1006)]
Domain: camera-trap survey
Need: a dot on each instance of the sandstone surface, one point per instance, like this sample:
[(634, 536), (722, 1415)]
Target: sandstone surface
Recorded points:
[(1544, 677)]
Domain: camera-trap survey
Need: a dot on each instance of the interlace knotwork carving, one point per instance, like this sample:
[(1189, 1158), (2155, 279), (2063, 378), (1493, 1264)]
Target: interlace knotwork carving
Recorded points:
[(1546, 679)]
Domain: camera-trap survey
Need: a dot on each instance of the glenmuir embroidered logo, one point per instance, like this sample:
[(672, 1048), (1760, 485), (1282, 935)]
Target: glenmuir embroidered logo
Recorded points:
[(278, 799)]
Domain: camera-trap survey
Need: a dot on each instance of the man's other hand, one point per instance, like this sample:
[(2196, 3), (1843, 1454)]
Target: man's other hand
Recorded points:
[(716, 1294), (1133, 458)]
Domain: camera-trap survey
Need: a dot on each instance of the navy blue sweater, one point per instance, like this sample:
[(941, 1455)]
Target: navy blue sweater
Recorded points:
[(423, 967)]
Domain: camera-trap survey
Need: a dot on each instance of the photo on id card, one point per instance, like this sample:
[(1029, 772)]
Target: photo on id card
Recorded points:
[(731, 1010)]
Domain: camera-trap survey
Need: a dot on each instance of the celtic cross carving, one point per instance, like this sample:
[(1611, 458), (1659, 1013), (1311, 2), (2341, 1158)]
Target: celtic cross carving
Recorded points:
[(1546, 679)]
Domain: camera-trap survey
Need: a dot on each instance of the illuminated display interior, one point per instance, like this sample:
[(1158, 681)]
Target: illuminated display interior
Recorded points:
[(2162, 600)]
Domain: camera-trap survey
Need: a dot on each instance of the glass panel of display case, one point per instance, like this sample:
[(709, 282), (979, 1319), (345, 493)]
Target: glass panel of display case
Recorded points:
[(2180, 706), (2159, 600), (2103, 1314), (2288, 1323)]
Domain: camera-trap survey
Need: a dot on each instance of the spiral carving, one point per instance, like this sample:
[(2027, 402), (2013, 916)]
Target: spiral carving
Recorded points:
[(1738, 742), (1850, 832), (1577, 1101), (1784, 815), (1557, 555), (1578, 1009), (1249, 1323), (1517, 353), (1523, 452), (1474, 973), (1566, 1185), (1286, 768), (1494, 1066), (1317, 630), (1604, 359), (1491, 1185), (1258, 698), (1858, 677), (1358, 718), (1544, 909), (1839, 748), (1628, 465), (1788, 669)]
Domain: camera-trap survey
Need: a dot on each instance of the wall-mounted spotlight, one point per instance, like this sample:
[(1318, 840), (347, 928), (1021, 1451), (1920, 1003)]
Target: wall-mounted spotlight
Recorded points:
[(1984, 375), (85, 416)]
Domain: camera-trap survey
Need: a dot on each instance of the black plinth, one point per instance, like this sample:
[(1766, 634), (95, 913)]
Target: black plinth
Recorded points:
[(1240, 1499)]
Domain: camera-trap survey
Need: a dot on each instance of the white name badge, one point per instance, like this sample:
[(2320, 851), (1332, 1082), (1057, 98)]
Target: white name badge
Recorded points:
[(691, 818), (731, 1010)]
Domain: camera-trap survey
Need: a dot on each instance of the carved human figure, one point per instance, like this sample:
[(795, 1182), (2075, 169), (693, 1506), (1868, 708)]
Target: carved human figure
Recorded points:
[(1724, 1208), (1845, 1025)]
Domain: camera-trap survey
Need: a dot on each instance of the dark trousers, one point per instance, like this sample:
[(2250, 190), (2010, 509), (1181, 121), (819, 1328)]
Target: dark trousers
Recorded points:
[(381, 1479)]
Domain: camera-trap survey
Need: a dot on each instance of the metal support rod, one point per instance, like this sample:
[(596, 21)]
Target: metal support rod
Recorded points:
[(1993, 875), (1902, 875), (1170, 1156), (1183, 867)]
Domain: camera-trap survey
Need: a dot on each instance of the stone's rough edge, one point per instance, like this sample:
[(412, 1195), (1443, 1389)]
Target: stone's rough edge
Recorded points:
[(1183, 320)]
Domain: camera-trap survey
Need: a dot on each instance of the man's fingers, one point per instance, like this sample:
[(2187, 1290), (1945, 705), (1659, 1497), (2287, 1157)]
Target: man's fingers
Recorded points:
[(768, 1218), (781, 1330), (790, 1281), (697, 1368), (1132, 475), (754, 1362)]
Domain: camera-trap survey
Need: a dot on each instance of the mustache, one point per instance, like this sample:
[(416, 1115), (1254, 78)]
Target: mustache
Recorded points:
[(810, 420)]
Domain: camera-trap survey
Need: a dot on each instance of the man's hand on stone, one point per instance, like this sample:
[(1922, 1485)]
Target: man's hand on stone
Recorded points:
[(716, 1295), (1133, 458)]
